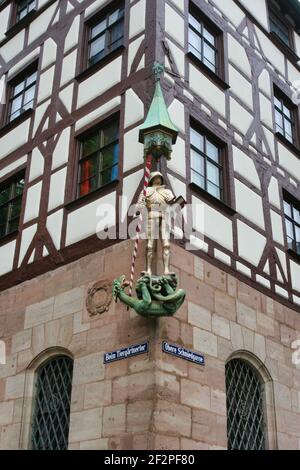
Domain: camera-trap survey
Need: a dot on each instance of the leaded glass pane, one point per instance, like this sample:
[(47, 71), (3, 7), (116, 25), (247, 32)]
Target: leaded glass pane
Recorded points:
[(50, 426), (245, 407)]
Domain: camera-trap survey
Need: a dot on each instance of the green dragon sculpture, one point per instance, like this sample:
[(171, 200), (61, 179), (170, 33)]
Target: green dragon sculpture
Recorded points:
[(156, 295)]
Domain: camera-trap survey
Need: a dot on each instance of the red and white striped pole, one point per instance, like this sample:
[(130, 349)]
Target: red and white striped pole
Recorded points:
[(139, 226)]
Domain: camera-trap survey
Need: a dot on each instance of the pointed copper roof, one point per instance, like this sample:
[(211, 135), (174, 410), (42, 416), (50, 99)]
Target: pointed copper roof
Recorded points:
[(158, 115)]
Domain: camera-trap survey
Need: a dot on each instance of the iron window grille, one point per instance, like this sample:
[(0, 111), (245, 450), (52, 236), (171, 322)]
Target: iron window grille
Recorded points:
[(206, 164), (203, 43), (10, 205), (245, 407), (50, 427), (24, 7), (105, 36), (285, 118), (99, 158), (22, 95), (292, 223)]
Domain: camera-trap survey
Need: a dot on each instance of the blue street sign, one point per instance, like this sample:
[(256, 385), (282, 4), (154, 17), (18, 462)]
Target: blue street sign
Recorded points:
[(125, 353), (184, 353)]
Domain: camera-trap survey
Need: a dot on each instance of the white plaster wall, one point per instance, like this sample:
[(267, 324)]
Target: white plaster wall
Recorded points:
[(178, 56), (13, 166), (13, 47), (83, 222), (41, 24), (20, 65), (277, 228), (174, 25), (4, 18), (93, 7), (273, 191), (289, 161), (49, 53), (132, 51), (179, 4), (68, 68), (274, 56), (231, 10), (264, 82), (66, 96), (249, 204), (134, 109), (258, 9), (178, 162), (57, 189), (295, 272), (100, 82), (130, 185), (61, 151), (73, 34), (240, 87), (37, 164), (251, 243), (177, 115), (54, 226), (105, 108), (133, 150), (239, 117), (45, 85), (245, 166), (137, 18), (216, 226), (33, 202), (14, 139), (27, 236), (7, 252), (204, 87), (266, 111), (237, 55)]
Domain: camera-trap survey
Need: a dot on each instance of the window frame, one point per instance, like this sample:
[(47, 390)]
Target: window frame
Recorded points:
[(273, 12), (292, 201), (79, 141), (226, 202), (30, 69), (92, 22), (219, 75), (9, 182), (293, 108), (17, 4)]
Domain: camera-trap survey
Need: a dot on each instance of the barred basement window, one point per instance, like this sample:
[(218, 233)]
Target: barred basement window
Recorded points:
[(245, 407), (50, 428)]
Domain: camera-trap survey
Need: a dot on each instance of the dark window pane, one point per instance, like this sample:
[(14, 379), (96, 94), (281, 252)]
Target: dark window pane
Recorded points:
[(98, 29), (110, 134), (287, 208), (90, 145), (97, 46), (5, 195), (3, 215)]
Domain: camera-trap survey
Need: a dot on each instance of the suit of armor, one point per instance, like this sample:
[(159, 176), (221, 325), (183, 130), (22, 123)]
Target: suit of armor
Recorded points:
[(156, 201)]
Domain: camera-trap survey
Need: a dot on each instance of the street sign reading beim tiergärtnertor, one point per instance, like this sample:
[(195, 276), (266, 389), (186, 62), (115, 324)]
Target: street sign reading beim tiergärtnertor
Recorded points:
[(125, 353)]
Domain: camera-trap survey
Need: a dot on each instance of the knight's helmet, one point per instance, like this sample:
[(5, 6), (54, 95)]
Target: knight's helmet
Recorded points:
[(153, 175)]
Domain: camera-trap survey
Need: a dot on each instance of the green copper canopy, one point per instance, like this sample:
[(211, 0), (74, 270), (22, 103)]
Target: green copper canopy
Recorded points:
[(158, 117)]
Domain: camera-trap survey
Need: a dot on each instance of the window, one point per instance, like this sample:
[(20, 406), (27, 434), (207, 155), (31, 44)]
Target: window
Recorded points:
[(203, 43), (206, 164), (285, 117), (22, 96), (245, 407), (280, 26), (10, 205), (105, 36), (51, 414), (292, 222), (24, 7), (99, 158)]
